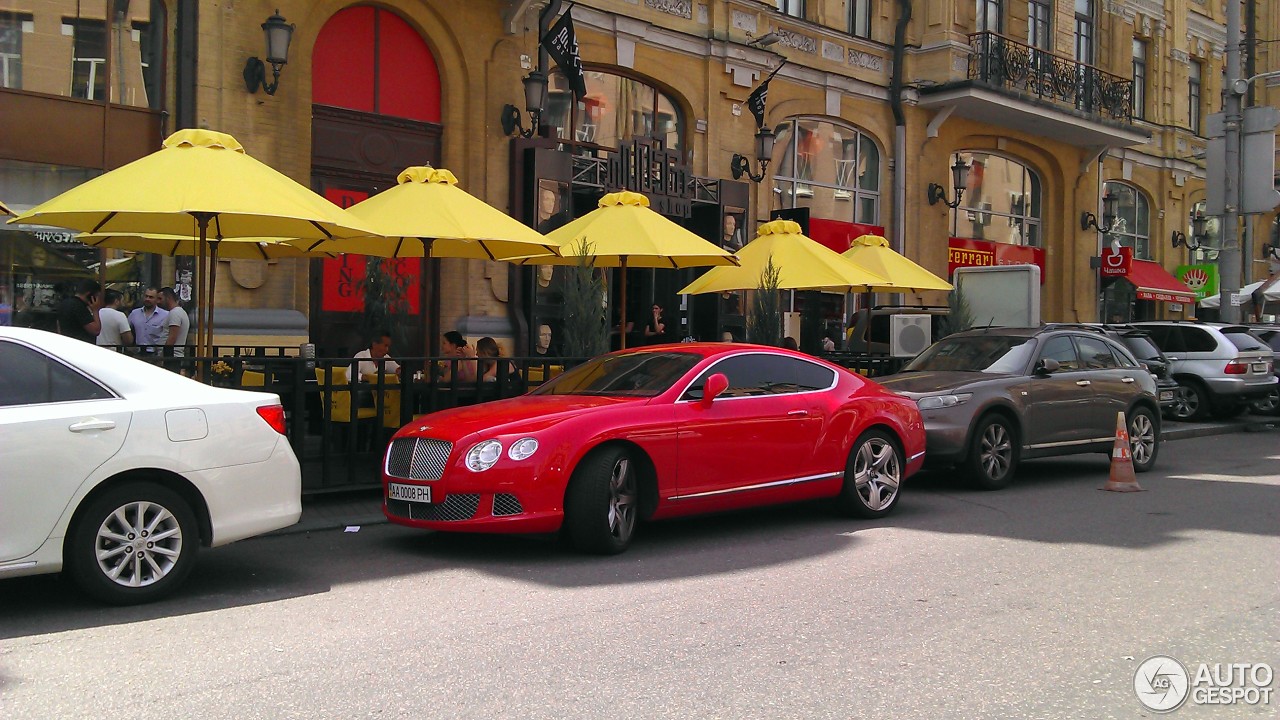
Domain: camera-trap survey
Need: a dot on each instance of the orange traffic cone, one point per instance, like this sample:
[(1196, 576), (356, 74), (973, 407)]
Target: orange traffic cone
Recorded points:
[(1122, 478)]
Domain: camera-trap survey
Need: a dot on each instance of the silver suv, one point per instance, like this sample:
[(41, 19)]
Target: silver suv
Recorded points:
[(1219, 368)]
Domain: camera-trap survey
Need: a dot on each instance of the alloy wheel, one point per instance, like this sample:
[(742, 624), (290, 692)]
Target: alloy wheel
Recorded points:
[(138, 544), (996, 451), (1142, 438), (877, 473), (1186, 402), (622, 500)]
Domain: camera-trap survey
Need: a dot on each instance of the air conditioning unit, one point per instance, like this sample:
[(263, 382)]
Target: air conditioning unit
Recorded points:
[(909, 335)]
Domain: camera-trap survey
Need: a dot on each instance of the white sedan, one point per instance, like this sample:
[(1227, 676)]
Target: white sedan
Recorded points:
[(117, 471)]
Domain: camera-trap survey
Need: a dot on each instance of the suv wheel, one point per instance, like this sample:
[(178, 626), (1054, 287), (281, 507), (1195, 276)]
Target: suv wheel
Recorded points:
[(1190, 401), (1144, 439), (993, 453), (1269, 405)]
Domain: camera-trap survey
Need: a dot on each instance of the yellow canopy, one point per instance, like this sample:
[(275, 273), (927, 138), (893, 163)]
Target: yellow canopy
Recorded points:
[(624, 232), (228, 248), (427, 215), (4, 209), (873, 253), (119, 270), (802, 264)]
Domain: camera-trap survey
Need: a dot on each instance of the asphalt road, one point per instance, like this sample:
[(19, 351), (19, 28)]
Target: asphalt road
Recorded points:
[(1038, 601)]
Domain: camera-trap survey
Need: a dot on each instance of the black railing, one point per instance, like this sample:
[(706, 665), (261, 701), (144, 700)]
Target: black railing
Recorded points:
[(1006, 63)]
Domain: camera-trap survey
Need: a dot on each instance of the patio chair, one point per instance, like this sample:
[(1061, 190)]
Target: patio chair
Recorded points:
[(251, 378), (337, 403)]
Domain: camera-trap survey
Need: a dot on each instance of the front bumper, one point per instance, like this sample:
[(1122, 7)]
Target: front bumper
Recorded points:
[(946, 437)]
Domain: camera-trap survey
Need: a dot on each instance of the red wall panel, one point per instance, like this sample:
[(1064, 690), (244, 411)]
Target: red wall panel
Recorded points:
[(342, 72), (408, 79)]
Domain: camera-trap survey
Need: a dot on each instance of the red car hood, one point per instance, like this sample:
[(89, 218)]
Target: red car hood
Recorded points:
[(527, 413)]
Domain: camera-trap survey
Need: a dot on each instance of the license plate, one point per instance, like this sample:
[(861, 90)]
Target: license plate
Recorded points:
[(1166, 395), (1259, 367), (409, 493)]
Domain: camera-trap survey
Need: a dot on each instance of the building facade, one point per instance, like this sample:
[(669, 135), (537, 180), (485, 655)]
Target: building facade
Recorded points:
[(1050, 105)]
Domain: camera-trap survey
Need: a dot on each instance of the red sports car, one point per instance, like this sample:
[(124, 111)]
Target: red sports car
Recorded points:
[(655, 432)]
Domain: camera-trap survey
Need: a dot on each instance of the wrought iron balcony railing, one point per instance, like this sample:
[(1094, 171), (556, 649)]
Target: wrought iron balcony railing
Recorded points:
[(1005, 63)]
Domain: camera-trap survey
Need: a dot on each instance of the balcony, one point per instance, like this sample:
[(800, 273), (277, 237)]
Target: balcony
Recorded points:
[(1017, 86)]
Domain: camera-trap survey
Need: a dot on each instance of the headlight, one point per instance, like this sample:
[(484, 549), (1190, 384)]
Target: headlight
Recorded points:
[(934, 402), (523, 449), (483, 455)]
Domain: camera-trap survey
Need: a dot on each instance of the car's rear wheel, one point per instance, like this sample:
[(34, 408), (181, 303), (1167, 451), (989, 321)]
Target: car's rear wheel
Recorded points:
[(993, 453), (602, 505), (133, 544), (872, 476), (1144, 439), (1190, 401), (1269, 405)]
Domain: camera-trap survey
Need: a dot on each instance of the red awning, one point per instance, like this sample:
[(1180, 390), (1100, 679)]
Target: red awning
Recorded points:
[(1155, 283)]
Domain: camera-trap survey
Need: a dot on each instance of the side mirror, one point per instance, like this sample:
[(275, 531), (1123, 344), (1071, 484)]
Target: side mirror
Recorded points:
[(1047, 366), (715, 385)]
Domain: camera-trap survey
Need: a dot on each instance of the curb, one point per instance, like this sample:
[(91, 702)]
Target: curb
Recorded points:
[(1181, 431)]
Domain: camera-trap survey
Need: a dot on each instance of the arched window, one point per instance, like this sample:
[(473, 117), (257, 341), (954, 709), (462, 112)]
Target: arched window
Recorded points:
[(371, 60), (1132, 224), (1001, 203), (616, 109), (831, 168)]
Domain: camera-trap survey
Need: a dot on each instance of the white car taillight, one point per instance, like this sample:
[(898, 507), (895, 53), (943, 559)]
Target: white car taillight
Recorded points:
[(274, 415)]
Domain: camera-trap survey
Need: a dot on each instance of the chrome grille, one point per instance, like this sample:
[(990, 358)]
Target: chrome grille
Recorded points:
[(417, 458), (504, 504), (456, 506)]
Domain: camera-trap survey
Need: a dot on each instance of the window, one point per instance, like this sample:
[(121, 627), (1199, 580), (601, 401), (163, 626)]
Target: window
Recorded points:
[(1060, 348), (1132, 224), (616, 110), (1084, 31), (763, 374), (88, 58), (1095, 354), (991, 16), (12, 25), (1193, 96), (31, 378), (860, 18), (794, 8), (1139, 79), (1039, 24), (1001, 202), (832, 169)]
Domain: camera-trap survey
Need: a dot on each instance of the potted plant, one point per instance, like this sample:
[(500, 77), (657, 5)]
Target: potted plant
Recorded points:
[(764, 325), (586, 326)]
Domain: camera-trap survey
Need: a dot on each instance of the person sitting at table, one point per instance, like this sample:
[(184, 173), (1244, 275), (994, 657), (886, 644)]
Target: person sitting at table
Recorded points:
[(488, 350), (455, 346), (367, 366)]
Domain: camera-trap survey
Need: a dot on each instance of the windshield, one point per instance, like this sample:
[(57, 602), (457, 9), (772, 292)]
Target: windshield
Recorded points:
[(638, 374), (1141, 347), (976, 353)]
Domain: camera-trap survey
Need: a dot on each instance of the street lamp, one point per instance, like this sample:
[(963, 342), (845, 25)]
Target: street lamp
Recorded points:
[(1110, 205), (959, 181), (278, 35), (1198, 234), (740, 165), (535, 101)]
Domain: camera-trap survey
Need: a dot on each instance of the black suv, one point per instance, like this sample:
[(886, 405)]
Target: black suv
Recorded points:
[(1149, 356)]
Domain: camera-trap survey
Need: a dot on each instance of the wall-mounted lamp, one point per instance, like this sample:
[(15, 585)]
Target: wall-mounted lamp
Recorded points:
[(279, 33), (1198, 234), (764, 41), (535, 101), (1271, 252), (740, 165), (959, 181), (1110, 204)]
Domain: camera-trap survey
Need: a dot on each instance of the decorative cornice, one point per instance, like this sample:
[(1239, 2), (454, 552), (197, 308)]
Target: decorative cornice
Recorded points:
[(679, 8)]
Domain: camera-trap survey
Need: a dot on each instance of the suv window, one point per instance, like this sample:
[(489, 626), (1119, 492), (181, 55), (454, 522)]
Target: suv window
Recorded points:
[(1141, 347), (1196, 340), (1243, 340), (1165, 338), (1095, 354), (1272, 338), (30, 377), (762, 374), (1060, 348)]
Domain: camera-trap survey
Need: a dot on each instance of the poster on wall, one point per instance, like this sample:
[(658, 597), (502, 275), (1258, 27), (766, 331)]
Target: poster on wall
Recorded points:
[(342, 276)]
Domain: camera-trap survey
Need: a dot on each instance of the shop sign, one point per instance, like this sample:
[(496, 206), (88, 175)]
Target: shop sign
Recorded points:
[(651, 170), (1201, 279), (965, 252), (1116, 262)]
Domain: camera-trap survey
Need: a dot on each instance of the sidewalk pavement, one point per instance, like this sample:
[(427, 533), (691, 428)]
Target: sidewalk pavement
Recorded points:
[(357, 508)]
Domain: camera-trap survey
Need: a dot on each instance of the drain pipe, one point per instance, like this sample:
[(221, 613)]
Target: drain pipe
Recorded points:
[(899, 239)]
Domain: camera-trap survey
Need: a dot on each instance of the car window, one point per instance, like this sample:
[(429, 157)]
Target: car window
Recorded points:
[(1095, 353), (975, 353), (1272, 338), (1165, 338), (1197, 340), (1123, 358), (1141, 347), (765, 374), (643, 374), (1061, 349), (1243, 340), (28, 377)]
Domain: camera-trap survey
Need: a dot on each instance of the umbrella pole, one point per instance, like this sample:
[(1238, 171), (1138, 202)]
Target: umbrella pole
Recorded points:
[(201, 278), (622, 293), (213, 282)]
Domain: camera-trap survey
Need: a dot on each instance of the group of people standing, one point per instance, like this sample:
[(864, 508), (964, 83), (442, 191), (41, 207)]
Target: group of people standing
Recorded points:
[(159, 325)]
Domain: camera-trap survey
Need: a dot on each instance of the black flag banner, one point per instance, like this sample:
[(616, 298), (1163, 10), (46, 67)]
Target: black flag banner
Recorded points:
[(561, 44), (760, 96)]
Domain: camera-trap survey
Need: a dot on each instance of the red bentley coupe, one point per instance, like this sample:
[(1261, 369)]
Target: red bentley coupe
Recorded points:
[(655, 432)]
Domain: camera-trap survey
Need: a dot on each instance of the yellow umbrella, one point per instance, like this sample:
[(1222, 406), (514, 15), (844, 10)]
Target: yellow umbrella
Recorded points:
[(200, 183), (179, 245), (873, 253), (427, 215), (624, 233), (4, 210), (802, 264)]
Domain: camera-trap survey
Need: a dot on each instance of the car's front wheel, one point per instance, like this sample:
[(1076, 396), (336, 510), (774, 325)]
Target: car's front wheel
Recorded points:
[(872, 476), (1144, 439), (133, 544), (993, 453), (602, 504)]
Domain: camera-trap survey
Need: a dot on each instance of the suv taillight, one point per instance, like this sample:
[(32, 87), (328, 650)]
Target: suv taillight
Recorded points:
[(1235, 367), (274, 415)]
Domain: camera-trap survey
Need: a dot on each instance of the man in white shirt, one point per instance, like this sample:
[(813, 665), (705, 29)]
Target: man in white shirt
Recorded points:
[(115, 325), (366, 364), (148, 322), (177, 322)]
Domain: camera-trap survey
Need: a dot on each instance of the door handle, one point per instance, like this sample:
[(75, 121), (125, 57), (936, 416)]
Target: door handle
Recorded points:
[(1126, 380), (798, 413), (1083, 383), (92, 424)]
